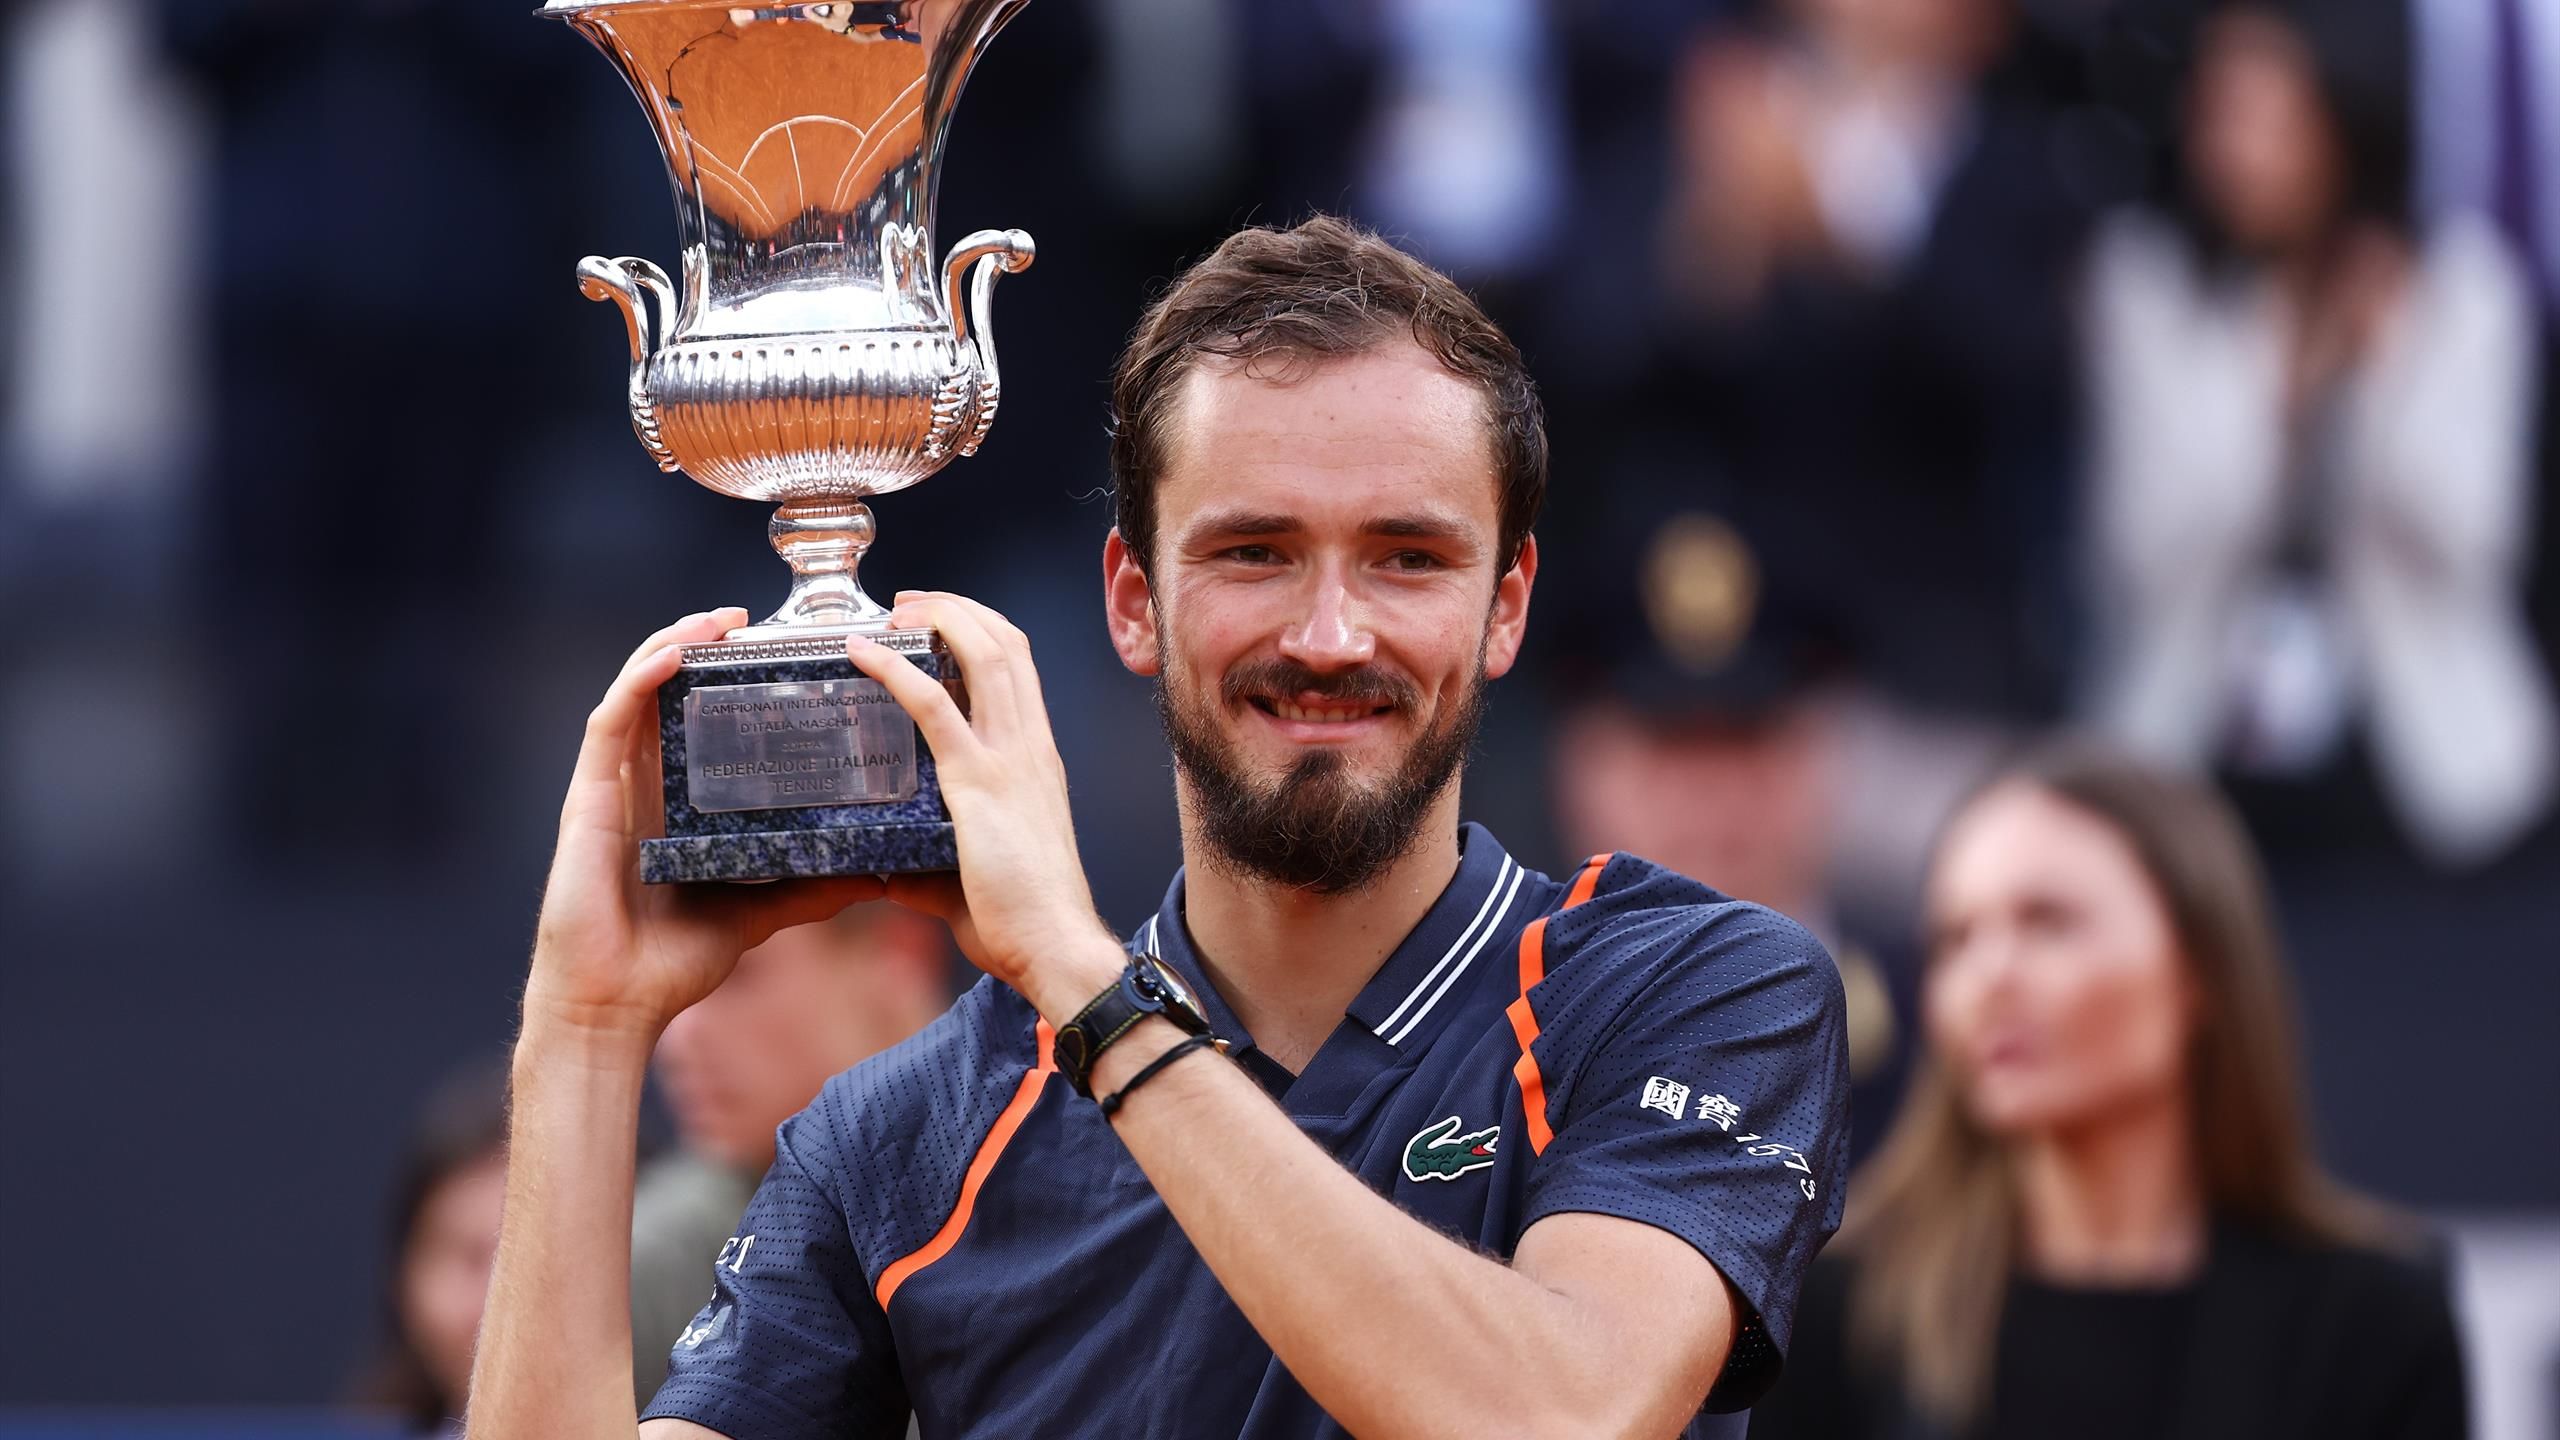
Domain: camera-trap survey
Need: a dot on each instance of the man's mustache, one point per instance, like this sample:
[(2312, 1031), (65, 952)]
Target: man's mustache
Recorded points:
[(1287, 680)]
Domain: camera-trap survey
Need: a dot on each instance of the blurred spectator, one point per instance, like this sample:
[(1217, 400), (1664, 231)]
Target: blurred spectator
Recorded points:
[(1832, 144), (2312, 466), (2099, 1215), (444, 1236), (1464, 155), (1867, 254), (1848, 449), (1808, 587), (102, 383), (806, 1004), (1434, 120)]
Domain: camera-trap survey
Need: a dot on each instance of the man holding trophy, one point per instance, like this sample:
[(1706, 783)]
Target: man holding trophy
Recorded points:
[(1370, 1129)]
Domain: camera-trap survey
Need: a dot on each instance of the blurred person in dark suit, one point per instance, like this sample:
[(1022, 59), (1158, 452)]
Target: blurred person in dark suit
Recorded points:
[(2100, 1215), (1861, 359), (444, 1236), (2312, 470), (805, 1005), (1865, 254)]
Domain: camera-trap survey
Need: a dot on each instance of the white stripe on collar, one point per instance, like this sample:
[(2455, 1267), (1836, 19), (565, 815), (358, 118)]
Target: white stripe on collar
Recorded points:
[(1481, 941), (1508, 867)]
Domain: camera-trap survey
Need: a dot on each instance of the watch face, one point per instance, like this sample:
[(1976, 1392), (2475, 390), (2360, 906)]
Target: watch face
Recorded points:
[(1161, 979)]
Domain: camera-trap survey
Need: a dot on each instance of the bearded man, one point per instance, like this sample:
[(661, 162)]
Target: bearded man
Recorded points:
[(1394, 1135)]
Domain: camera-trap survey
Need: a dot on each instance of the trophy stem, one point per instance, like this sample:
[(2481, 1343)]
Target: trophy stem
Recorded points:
[(823, 542)]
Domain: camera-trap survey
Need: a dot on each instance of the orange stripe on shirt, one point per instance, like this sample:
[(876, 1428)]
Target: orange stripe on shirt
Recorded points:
[(1589, 879), (1524, 1021), (1025, 1095)]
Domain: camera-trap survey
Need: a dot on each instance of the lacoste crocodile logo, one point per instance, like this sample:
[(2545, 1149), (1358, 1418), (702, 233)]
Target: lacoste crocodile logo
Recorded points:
[(1439, 1152)]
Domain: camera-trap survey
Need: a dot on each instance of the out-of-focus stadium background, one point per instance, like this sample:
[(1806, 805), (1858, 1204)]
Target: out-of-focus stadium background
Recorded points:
[(1902, 357)]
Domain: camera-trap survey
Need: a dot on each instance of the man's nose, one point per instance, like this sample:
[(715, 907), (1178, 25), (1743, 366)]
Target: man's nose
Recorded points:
[(1334, 633)]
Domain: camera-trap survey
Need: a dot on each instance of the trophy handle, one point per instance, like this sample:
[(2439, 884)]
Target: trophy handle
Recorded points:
[(623, 281), (969, 283)]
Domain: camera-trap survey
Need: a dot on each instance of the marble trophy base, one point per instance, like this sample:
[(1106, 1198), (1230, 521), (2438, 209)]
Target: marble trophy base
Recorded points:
[(797, 689)]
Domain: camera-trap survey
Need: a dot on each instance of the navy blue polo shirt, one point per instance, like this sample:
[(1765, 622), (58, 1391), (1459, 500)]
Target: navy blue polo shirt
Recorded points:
[(951, 1228)]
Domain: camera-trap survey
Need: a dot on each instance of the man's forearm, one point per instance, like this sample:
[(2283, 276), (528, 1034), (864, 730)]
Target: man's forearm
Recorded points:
[(554, 1359), (1394, 1328)]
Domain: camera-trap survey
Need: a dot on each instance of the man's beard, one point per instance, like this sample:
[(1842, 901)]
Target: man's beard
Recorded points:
[(1317, 828)]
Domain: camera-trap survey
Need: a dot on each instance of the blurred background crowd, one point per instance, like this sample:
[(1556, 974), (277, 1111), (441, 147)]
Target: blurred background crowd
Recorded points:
[(1925, 376)]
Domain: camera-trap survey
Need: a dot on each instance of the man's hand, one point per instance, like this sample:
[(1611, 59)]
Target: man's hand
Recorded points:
[(1020, 907), (613, 955), (613, 961)]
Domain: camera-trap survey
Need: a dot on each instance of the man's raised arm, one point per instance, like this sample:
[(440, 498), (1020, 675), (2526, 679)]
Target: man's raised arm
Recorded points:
[(1599, 1326), (614, 960)]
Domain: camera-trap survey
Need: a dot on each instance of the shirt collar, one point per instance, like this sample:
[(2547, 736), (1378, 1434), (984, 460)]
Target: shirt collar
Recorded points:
[(1403, 1002)]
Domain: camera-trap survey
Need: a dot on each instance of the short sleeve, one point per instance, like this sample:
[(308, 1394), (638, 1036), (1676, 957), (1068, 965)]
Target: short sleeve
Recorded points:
[(1713, 1104), (792, 1345)]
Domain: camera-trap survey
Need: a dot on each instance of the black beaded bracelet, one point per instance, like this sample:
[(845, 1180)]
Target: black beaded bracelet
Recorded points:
[(1111, 1102)]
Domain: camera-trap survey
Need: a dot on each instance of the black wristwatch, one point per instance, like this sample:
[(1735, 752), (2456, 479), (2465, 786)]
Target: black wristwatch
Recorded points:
[(1145, 988)]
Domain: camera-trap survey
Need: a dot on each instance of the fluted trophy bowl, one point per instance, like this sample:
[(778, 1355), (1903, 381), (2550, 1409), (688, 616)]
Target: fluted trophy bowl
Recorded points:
[(810, 352)]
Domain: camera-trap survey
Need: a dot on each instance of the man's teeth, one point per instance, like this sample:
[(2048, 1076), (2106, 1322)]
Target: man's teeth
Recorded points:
[(1287, 711)]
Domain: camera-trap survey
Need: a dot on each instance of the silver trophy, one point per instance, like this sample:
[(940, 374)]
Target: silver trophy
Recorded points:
[(814, 356)]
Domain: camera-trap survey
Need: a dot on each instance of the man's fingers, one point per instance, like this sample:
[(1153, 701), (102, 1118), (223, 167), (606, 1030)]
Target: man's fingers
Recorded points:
[(1022, 678), (764, 910), (596, 784), (984, 663), (939, 895), (987, 615), (645, 671), (607, 745), (693, 629), (920, 695)]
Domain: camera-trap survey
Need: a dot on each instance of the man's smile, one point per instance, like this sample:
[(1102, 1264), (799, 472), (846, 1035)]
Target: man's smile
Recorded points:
[(1317, 709), (1308, 707), (1326, 723)]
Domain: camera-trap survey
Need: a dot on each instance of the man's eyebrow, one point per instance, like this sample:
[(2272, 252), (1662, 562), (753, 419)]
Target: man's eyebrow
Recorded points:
[(1417, 527), (1244, 522)]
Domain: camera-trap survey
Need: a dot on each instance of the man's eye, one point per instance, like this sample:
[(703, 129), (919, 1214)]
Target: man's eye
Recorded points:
[(1414, 561), (1254, 554)]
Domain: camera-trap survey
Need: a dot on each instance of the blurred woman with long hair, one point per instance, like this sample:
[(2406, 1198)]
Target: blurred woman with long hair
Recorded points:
[(444, 1238), (2099, 1214)]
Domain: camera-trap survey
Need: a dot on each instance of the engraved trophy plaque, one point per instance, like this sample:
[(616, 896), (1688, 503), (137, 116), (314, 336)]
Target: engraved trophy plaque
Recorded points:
[(811, 353)]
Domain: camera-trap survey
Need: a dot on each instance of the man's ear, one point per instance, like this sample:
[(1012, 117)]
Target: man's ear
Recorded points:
[(1510, 611), (1128, 603)]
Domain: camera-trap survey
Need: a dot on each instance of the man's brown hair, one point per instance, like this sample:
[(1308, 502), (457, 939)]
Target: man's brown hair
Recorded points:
[(1317, 291)]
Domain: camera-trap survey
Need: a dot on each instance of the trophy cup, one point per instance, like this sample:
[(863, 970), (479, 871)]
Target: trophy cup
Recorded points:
[(814, 356)]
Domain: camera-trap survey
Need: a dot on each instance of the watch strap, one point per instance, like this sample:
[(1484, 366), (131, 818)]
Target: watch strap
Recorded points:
[(1137, 994)]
